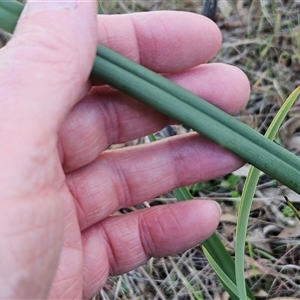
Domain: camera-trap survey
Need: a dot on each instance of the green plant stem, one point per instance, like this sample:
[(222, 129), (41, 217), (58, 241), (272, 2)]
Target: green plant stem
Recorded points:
[(13, 6), (248, 194), (7, 18), (9, 14), (241, 230), (198, 114), (100, 11), (182, 194)]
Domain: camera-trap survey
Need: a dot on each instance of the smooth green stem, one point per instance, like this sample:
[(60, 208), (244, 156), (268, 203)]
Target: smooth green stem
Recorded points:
[(6, 18), (13, 6), (9, 14), (198, 114), (248, 194)]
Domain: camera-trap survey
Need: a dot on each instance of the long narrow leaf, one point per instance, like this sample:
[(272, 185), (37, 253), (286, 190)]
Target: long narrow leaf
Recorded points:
[(221, 274), (222, 258), (248, 194), (100, 11), (182, 194), (292, 207)]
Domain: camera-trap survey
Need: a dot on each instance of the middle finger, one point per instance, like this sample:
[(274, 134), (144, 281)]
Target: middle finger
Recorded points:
[(128, 176)]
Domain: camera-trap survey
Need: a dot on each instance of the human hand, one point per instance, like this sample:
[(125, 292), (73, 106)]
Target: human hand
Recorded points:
[(59, 184)]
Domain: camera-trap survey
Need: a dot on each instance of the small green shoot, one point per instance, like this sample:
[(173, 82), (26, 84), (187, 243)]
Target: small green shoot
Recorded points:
[(287, 212), (235, 194), (230, 182), (291, 206), (100, 11)]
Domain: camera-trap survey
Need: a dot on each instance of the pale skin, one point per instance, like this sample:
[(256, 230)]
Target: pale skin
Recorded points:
[(59, 185)]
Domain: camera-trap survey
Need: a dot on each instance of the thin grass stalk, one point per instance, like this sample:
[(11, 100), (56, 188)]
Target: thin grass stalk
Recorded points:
[(241, 229), (248, 194), (186, 282), (182, 194), (99, 8)]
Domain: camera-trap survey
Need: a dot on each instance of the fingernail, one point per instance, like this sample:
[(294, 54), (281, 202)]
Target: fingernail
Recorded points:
[(35, 5), (219, 207)]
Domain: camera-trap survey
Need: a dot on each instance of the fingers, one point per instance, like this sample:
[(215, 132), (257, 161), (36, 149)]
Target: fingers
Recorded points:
[(225, 86), (165, 42), (127, 242), (106, 118), (48, 61), (131, 175)]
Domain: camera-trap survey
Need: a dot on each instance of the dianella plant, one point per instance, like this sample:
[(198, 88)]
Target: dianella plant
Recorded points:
[(258, 150)]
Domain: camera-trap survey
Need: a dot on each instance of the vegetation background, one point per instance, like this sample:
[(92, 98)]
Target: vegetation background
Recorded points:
[(263, 39)]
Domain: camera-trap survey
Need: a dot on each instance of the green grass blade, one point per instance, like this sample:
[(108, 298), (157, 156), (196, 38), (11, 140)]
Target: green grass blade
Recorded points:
[(241, 230), (225, 262), (182, 194), (223, 275), (100, 11), (280, 116), (152, 137), (292, 207), (248, 194)]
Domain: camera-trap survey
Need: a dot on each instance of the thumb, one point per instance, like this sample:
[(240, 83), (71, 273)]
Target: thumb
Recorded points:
[(45, 66)]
